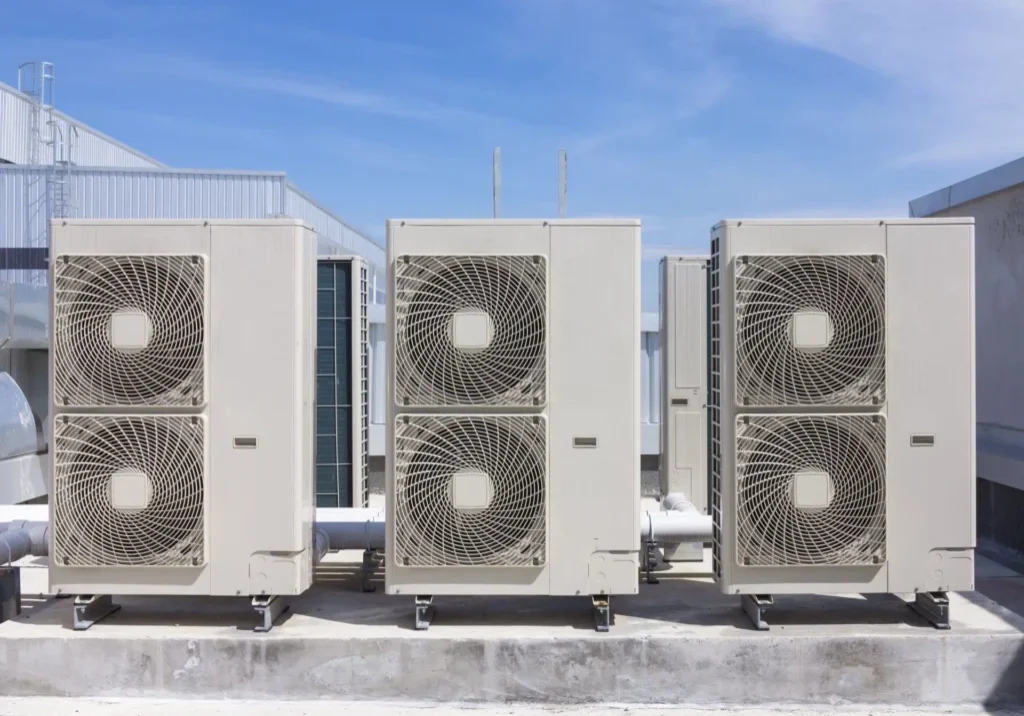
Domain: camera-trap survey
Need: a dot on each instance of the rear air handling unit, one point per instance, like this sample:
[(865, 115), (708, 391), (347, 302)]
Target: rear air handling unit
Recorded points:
[(684, 412), (513, 448), (842, 384), (342, 382), (172, 474)]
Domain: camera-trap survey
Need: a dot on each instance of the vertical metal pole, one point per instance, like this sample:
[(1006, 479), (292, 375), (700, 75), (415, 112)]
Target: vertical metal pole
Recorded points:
[(563, 178), (497, 182)]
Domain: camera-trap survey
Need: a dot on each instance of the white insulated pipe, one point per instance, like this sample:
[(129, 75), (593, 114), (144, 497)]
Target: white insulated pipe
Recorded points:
[(352, 528), (364, 528), (678, 522), (22, 539)]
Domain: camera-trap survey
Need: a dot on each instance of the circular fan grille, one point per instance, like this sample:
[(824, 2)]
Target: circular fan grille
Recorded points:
[(161, 298), (506, 527), (164, 456), (810, 490), (840, 299), (499, 302)]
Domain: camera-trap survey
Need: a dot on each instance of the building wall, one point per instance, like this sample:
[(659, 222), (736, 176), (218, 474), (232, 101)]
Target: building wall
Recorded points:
[(999, 316), (996, 201), (89, 147)]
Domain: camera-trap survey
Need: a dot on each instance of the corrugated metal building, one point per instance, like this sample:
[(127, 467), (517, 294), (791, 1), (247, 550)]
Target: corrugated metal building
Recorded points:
[(996, 201), (88, 147), (105, 193)]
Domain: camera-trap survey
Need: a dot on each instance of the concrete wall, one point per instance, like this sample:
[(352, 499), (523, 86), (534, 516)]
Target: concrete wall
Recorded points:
[(999, 286)]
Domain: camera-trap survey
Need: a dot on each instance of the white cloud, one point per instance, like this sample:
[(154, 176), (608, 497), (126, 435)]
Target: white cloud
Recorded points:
[(956, 67)]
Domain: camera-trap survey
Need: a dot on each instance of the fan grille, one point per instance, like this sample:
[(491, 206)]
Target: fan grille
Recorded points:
[(164, 295), (506, 529), (505, 295), (162, 453), (843, 459), (844, 296)]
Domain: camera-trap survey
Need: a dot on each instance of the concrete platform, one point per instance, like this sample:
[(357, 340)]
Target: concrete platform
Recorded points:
[(679, 642)]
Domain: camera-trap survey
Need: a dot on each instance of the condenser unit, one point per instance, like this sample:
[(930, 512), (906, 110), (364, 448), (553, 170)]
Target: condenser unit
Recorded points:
[(842, 394), (342, 382), (684, 395), (182, 377), (513, 429)]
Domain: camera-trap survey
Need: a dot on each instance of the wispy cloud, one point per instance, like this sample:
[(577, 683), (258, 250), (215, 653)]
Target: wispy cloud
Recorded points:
[(318, 90), (192, 126), (955, 67), (651, 69)]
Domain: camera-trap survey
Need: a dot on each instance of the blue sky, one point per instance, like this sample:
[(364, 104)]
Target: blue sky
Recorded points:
[(678, 112)]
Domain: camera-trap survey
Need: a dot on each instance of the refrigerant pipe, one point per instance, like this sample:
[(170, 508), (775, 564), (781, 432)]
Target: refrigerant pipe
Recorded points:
[(364, 528)]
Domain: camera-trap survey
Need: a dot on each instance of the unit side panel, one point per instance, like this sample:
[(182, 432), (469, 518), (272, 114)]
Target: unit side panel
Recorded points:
[(594, 443), (931, 407), (129, 239), (853, 238), (463, 239), (262, 341)]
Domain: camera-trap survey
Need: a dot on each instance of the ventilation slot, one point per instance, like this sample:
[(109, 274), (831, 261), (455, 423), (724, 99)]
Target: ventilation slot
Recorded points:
[(470, 491), (810, 330), (129, 331), (128, 491), (810, 490), (470, 331)]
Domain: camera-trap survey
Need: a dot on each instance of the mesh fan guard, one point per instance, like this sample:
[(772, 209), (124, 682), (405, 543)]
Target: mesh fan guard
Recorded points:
[(848, 292), (772, 452), (89, 530), (168, 292), (430, 530), (430, 291)]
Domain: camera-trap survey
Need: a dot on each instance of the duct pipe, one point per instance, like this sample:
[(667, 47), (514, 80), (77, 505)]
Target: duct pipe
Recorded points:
[(358, 528), (675, 527), (677, 501), (321, 545), (32, 539)]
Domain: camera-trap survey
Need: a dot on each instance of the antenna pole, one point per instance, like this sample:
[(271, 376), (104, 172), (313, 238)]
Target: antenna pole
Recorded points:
[(563, 178), (497, 182)]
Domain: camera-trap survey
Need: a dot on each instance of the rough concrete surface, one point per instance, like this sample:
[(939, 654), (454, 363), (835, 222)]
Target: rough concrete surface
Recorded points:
[(680, 642), (147, 707)]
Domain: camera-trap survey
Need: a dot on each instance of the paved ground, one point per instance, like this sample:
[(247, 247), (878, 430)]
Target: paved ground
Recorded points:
[(84, 707)]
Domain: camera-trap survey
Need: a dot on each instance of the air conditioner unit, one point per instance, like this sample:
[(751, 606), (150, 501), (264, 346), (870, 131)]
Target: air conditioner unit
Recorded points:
[(182, 376), (513, 428), (342, 382), (842, 394), (684, 394)]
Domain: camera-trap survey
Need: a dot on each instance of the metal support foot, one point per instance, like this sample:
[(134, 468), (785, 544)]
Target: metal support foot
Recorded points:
[(10, 593), (933, 606), (370, 562), (269, 608), (602, 612), (756, 606), (424, 611), (91, 608), (650, 560)]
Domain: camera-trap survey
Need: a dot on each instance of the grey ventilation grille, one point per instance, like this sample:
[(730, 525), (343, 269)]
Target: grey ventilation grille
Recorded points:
[(470, 330), (810, 330), (715, 401), (470, 491), (128, 491), (129, 331), (810, 490)]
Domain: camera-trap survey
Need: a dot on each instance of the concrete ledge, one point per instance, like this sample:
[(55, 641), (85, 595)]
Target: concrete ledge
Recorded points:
[(680, 642)]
